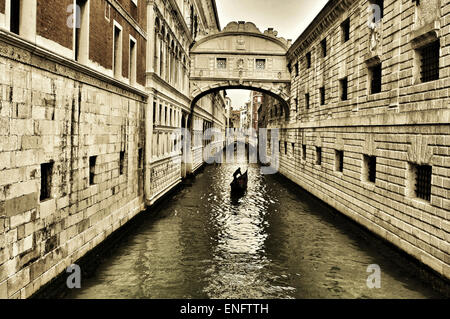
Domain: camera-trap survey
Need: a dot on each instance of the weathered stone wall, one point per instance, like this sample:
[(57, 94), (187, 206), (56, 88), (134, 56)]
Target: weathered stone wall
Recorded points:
[(406, 124), (52, 113)]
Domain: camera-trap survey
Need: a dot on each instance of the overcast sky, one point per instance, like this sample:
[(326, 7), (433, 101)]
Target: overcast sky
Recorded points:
[(289, 17)]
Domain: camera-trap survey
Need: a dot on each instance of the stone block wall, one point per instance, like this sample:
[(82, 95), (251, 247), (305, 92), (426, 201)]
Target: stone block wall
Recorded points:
[(404, 126)]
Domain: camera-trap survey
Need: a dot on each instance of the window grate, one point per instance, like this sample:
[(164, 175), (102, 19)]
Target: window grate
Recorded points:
[(375, 85), (423, 182), (304, 152), (430, 62), (308, 60)]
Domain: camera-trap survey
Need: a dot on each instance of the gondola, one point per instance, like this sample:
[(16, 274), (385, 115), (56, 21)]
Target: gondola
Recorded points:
[(239, 183)]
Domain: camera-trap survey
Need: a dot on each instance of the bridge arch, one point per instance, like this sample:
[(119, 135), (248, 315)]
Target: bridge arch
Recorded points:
[(241, 57)]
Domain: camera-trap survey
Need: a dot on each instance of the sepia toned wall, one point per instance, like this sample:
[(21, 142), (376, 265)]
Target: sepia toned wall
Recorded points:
[(407, 123)]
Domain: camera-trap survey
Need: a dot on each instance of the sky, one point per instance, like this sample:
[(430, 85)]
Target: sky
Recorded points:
[(289, 17)]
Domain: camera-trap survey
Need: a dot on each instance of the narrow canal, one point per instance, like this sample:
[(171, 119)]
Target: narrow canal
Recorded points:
[(275, 242)]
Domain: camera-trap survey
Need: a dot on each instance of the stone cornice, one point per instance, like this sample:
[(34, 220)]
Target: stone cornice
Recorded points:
[(329, 14), (46, 60)]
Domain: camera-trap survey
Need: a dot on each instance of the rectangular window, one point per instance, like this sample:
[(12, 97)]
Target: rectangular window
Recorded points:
[(121, 162), (117, 63), (422, 181), (296, 69), (322, 95), (339, 161), (293, 149), (370, 168), (92, 163), (132, 62), (15, 16), (304, 152), (81, 31), (345, 29), (308, 60), (46, 181), (375, 78), (221, 63), (343, 89), (318, 156), (429, 62), (260, 64), (380, 9), (323, 45), (285, 148), (307, 101)]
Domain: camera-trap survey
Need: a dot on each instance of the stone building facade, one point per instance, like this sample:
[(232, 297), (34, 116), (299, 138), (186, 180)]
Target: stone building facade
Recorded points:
[(89, 91), (368, 128)]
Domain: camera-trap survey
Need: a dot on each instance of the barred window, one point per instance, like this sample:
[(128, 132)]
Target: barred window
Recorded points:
[(423, 181), (343, 87), (260, 64), (307, 101), (339, 161), (296, 69), (221, 63), (429, 60), (304, 152), (318, 155), (375, 78), (370, 168), (285, 148)]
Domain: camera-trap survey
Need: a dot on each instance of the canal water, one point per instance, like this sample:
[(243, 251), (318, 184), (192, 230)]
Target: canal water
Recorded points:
[(277, 241)]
